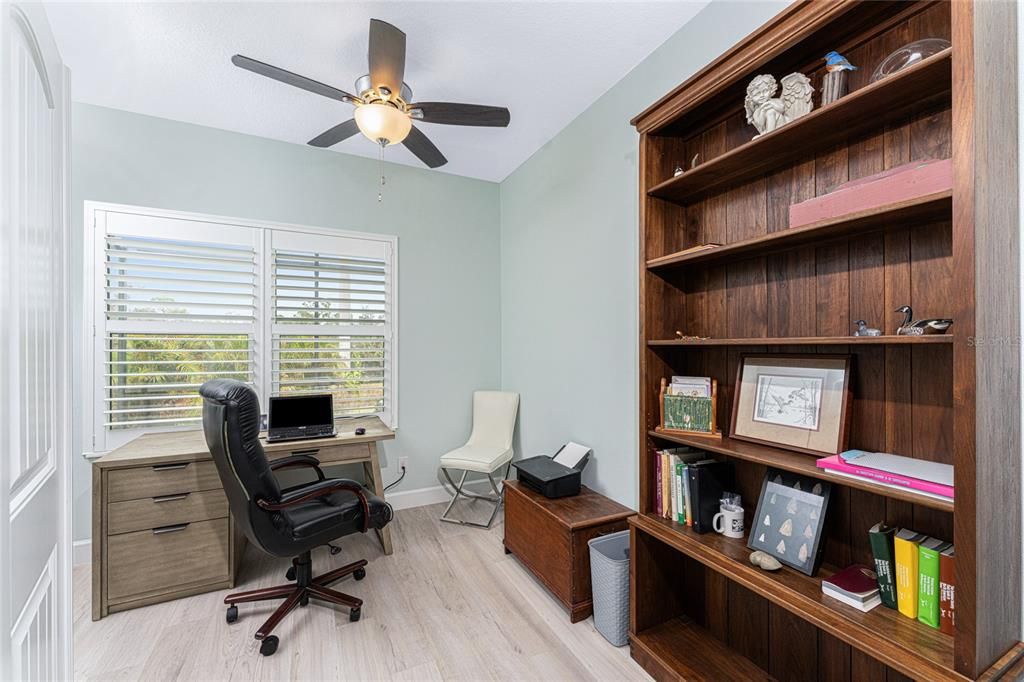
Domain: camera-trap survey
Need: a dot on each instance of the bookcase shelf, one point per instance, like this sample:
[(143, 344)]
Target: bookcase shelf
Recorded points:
[(797, 463), (885, 340), (669, 644), (896, 215), (872, 106), (902, 643), (774, 288)]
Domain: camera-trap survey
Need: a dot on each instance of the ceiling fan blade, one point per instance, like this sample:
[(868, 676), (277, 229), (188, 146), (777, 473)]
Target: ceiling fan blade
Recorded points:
[(292, 79), (331, 137), (386, 56), (454, 114), (420, 145)]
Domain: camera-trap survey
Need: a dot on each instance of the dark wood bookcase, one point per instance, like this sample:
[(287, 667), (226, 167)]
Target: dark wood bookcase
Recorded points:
[(699, 609)]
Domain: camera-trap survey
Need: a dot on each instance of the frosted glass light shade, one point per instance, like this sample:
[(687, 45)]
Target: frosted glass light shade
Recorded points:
[(382, 122)]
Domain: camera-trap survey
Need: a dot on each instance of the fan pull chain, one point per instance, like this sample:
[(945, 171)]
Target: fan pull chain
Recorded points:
[(380, 158)]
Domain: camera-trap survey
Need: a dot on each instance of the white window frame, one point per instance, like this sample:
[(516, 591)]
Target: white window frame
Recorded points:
[(97, 439)]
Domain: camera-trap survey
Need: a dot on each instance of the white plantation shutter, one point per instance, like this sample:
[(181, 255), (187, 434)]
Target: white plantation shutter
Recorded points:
[(178, 306), (179, 299), (331, 330)]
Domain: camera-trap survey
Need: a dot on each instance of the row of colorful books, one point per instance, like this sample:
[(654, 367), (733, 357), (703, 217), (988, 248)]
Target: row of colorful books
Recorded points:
[(915, 575), (932, 479), (690, 484)]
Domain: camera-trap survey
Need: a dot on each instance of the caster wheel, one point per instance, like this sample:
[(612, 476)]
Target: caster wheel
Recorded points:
[(304, 601), (290, 574), (359, 573), (269, 645), (334, 549), (354, 614), (232, 614)]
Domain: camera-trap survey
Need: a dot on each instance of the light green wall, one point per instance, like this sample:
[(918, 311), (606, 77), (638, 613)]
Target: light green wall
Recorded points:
[(569, 261), (448, 241), (531, 284)]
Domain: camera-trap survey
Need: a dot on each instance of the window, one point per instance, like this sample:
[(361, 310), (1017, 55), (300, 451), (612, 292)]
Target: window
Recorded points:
[(179, 299)]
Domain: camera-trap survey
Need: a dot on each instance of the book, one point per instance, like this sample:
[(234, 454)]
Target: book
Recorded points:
[(855, 585), (708, 480), (928, 580), (917, 469), (837, 464), (881, 537), (678, 480), (657, 482), (906, 557), (947, 591), (666, 498), (691, 387), (889, 485)]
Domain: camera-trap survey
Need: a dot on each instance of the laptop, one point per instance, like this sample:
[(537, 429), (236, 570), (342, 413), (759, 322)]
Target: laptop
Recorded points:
[(300, 417)]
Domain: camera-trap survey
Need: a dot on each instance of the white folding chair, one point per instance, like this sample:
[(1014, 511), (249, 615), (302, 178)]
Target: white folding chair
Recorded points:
[(488, 450)]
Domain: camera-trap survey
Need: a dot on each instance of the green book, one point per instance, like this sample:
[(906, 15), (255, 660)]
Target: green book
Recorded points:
[(881, 546), (677, 481), (928, 580)]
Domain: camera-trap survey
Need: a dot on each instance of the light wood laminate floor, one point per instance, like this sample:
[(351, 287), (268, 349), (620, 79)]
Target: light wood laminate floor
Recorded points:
[(449, 604)]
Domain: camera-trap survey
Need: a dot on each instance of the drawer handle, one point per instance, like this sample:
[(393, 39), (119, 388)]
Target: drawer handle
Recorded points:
[(170, 529), (310, 451), (170, 467), (171, 498)]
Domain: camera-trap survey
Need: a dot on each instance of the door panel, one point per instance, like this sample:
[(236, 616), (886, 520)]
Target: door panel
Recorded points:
[(34, 350)]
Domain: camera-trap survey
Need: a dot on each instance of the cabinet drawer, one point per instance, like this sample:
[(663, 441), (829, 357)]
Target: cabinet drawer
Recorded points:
[(328, 454), (166, 558), (165, 510), (164, 479)]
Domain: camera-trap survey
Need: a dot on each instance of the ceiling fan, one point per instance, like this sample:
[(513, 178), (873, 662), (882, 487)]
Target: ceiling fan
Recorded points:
[(384, 108)]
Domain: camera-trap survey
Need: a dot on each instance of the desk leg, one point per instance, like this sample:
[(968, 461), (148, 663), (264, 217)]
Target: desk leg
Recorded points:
[(372, 471)]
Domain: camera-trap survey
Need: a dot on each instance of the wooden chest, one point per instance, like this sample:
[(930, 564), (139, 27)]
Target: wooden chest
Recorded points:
[(550, 538)]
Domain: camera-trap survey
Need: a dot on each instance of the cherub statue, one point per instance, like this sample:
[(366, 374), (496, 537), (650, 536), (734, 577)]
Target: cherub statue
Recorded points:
[(766, 113)]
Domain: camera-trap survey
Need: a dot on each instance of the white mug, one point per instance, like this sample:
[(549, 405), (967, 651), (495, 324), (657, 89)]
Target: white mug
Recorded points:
[(731, 525)]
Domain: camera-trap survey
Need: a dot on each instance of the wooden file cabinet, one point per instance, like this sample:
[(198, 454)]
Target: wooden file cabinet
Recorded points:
[(161, 530), (550, 538)]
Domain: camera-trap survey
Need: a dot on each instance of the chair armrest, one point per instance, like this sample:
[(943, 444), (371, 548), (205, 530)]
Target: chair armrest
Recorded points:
[(298, 461), (317, 490)]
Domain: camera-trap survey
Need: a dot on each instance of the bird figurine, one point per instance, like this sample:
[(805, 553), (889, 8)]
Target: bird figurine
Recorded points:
[(934, 325), (864, 330), (837, 62)]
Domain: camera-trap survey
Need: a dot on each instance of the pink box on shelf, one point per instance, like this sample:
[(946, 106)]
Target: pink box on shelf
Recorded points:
[(902, 183)]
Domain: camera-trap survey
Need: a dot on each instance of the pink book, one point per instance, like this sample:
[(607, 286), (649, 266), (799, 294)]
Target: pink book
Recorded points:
[(837, 464)]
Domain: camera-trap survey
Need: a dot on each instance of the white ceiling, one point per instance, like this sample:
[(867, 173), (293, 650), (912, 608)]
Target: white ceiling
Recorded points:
[(546, 61)]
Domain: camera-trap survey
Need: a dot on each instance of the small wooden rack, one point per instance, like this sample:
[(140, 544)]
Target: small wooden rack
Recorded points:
[(713, 433)]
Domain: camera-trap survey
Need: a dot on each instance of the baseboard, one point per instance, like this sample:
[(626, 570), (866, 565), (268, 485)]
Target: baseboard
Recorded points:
[(421, 497), (81, 550)]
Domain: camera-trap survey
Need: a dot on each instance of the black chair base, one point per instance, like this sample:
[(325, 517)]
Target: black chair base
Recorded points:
[(305, 587)]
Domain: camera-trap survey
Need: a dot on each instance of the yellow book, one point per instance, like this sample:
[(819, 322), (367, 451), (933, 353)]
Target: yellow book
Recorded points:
[(906, 551)]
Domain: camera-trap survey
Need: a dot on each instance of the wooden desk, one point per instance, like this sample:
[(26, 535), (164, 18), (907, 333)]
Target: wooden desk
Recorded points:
[(160, 522)]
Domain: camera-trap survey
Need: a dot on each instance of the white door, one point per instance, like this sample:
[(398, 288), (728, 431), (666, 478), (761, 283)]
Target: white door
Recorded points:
[(34, 350)]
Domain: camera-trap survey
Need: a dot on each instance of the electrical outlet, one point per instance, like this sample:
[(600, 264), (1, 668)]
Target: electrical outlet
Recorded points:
[(403, 463)]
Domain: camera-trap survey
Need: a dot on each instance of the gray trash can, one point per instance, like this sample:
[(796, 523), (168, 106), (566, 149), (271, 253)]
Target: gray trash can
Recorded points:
[(609, 577)]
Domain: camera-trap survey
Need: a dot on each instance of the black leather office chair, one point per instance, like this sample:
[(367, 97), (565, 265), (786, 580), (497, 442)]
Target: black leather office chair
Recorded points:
[(283, 523)]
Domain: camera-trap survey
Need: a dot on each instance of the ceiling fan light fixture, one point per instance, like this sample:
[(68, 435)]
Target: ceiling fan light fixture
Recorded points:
[(383, 122)]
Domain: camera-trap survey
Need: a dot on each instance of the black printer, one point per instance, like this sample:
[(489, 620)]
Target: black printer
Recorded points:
[(556, 476)]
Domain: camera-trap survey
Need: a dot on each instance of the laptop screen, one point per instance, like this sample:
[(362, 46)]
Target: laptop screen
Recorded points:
[(290, 412)]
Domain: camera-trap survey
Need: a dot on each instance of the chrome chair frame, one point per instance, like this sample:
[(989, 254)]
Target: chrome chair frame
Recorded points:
[(458, 490)]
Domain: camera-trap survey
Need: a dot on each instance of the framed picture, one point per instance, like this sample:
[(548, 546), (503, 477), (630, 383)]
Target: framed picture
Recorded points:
[(790, 519), (797, 402)]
